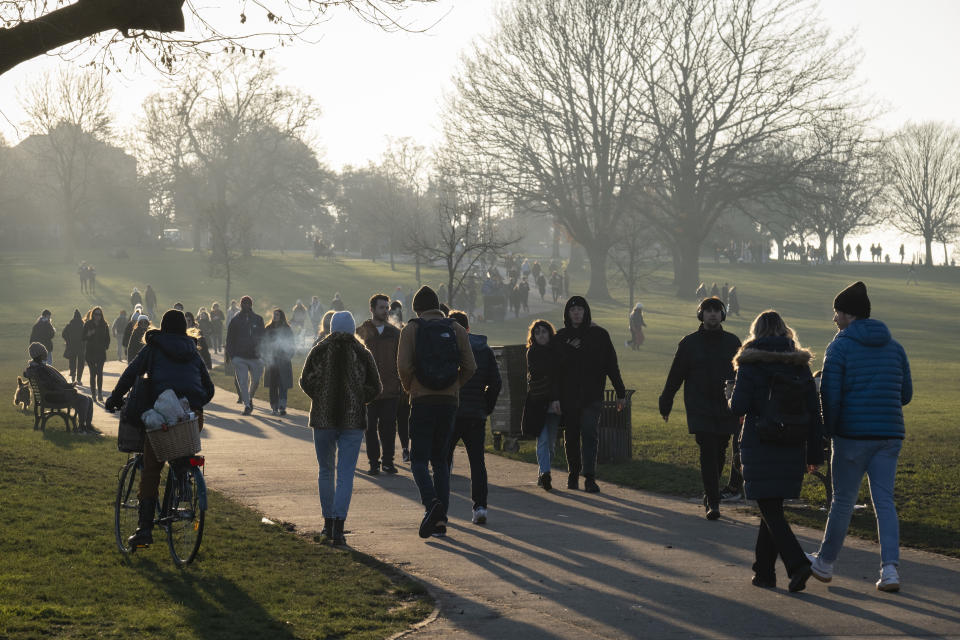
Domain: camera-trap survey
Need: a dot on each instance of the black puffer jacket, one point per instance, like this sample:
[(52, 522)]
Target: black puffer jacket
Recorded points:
[(96, 340), (771, 470), (244, 335), (478, 396), (543, 387), (43, 332), (176, 364), (72, 335), (587, 365), (702, 364)]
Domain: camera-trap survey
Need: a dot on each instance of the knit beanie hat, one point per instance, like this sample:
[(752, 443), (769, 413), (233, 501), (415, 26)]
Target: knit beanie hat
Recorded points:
[(37, 351), (425, 300), (853, 300), (173, 321), (343, 322)]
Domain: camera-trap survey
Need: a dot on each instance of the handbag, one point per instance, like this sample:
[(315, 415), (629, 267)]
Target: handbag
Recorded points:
[(131, 430)]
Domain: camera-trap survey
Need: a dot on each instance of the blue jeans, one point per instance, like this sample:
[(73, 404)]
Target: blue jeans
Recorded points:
[(431, 427), (344, 446), (546, 441), (851, 459)]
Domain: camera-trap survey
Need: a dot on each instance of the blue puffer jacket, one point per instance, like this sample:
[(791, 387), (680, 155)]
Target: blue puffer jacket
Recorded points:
[(773, 470), (478, 396), (866, 382)]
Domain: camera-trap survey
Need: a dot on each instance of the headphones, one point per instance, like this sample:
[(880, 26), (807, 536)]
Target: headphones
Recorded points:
[(723, 309)]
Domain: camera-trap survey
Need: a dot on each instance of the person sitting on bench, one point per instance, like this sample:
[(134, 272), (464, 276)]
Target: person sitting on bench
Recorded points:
[(56, 389)]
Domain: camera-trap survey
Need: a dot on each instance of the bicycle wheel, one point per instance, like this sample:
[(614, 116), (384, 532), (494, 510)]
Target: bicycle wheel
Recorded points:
[(126, 504), (185, 504)]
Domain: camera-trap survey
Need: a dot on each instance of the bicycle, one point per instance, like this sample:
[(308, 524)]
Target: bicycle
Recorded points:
[(180, 510)]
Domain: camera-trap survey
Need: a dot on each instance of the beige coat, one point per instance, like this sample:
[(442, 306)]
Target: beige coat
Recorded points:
[(407, 352)]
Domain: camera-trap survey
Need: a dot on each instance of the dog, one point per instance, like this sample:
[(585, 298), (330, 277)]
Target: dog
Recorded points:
[(21, 399)]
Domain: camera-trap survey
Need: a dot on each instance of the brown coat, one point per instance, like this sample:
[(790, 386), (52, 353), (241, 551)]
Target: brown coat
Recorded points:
[(340, 376), (384, 347), (406, 360)]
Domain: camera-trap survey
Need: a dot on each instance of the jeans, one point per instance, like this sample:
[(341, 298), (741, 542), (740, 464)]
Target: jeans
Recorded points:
[(278, 395), (403, 423), (96, 377), (248, 372), (381, 430), (431, 426), (546, 441), (851, 460), (775, 537), (473, 432), (713, 454), (582, 422), (119, 341), (337, 453)]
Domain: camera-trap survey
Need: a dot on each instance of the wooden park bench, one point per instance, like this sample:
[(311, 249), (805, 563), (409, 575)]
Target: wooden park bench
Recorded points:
[(44, 408)]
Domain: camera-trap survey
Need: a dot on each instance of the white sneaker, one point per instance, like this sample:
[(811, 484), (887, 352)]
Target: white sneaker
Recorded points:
[(480, 515), (889, 579), (822, 570)]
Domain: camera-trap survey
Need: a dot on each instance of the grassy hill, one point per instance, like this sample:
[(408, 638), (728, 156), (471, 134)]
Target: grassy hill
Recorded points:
[(664, 455)]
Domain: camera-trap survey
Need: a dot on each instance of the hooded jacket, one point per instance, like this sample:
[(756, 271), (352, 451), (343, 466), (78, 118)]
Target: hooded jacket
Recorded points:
[(72, 335), (587, 365), (43, 332), (479, 395), (384, 348), (278, 348), (866, 381), (772, 470), (702, 364), (340, 376), (176, 364)]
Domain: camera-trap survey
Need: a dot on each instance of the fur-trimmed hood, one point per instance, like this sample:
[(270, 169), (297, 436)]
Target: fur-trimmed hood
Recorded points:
[(772, 350)]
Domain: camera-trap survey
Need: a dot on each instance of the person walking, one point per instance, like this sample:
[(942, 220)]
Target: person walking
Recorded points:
[(382, 339), (588, 358), (244, 334), (702, 364), (43, 332), (117, 329), (734, 302), (72, 335), (771, 365), (150, 301), (277, 349), (434, 361), (135, 343), (232, 311), (865, 384), (298, 319), (340, 377), (128, 330), (96, 341), (337, 303), (92, 280), (195, 332), (136, 299), (541, 407), (637, 324), (56, 387), (217, 319), (173, 362), (478, 397)]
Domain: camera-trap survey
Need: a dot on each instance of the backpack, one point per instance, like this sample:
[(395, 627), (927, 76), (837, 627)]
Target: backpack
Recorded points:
[(786, 417), (437, 356)]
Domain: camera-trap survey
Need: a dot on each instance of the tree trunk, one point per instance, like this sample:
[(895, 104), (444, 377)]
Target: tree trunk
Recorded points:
[(780, 249), (687, 274), (928, 242), (226, 299), (946, 256), (838, 245), (598, 273), (556, 242), (416, 260), (576, 256)]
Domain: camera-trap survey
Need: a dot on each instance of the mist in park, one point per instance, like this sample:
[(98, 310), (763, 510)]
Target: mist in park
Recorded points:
[(671, 170)]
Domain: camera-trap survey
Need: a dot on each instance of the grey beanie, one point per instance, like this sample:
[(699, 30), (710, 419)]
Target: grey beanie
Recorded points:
[(343, 322)]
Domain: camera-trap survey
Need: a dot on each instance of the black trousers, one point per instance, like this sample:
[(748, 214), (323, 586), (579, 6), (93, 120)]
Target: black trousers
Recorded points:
[(736, 471), (381, 431), (76, 366), (713, 455), (473, 432), (774, 538), (96, 377), (403, 423)]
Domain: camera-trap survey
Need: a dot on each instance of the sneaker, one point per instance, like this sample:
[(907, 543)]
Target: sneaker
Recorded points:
[(405, 455), (590, 485), (545, 481), (247, 410), (389, 468), (374, 469), (434, 514), (798, 581), (439, 531), (480, 515), (889, 579), (274, 412), (728, 493), (822, 570), (713, 512)]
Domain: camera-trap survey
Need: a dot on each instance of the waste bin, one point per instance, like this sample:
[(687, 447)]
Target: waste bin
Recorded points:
[(616, 430), (505, 421)]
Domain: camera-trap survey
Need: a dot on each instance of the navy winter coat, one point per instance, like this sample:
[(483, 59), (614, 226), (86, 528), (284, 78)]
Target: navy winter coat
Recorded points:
[(478, 396), (772, 470), (176, 365), (866, 382)]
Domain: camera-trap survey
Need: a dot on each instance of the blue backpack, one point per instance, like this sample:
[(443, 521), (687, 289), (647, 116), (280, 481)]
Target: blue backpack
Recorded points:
[(437, 356)]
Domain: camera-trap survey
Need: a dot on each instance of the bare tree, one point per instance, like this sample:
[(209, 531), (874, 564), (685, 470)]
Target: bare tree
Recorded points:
[(69, 112), (547, 106), (106, 29), (636, 255), (923, 167), (720, 80)]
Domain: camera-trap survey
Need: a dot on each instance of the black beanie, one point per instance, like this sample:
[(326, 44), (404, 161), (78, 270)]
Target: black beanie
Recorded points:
[(853, 300), (425, 300), (174, 322)]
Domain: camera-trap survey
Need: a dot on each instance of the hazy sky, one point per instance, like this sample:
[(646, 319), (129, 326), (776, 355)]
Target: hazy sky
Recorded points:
[(371, 84)]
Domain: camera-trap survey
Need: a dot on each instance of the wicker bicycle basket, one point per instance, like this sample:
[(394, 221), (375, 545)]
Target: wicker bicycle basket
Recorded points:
[(176, 440)]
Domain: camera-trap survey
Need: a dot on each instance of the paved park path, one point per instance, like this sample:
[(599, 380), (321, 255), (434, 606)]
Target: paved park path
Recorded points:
[(619, 564)]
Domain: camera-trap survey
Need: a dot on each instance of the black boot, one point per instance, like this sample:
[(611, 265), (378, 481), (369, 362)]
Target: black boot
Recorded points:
[(327, 531), (338, 537), (546, 481), (144, 533), (573, 481), (590, 485)]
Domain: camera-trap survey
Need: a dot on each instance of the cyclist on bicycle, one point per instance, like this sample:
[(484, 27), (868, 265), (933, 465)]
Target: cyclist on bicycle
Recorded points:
[(176, 365)]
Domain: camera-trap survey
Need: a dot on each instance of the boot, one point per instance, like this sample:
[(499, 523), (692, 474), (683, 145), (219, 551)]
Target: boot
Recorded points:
[(327, 532), (590, 485), (546, 481), (338, 537), (573, 481), (144, 534)]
